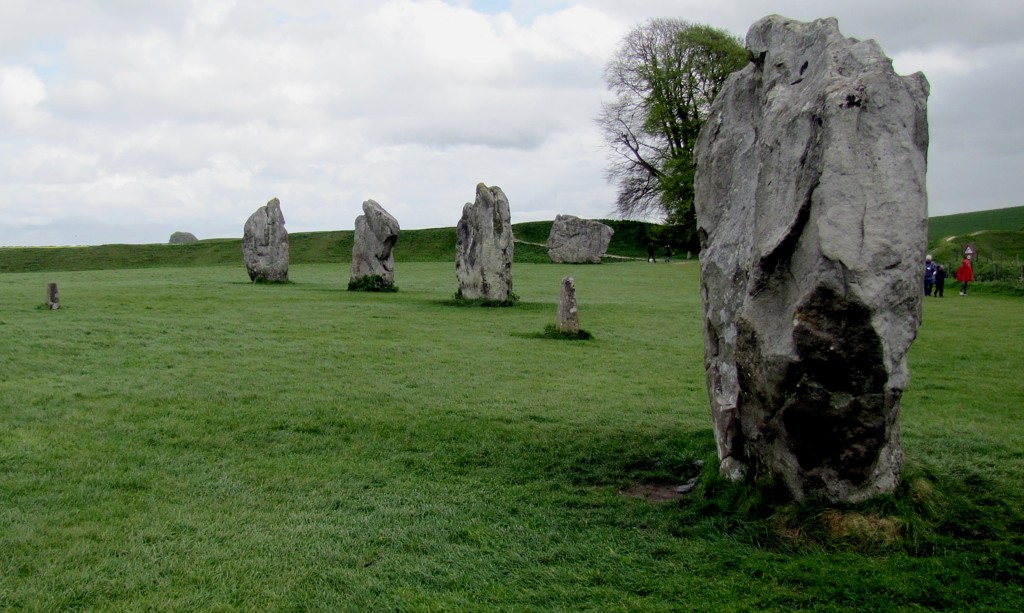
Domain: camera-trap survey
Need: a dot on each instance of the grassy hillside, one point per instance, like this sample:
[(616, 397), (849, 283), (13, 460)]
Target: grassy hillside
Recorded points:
[(998, 236), (430, 245), (960, 224)]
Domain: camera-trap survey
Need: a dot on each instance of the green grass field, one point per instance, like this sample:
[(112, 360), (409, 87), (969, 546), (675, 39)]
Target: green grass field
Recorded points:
[(177, 438), (961, 224)]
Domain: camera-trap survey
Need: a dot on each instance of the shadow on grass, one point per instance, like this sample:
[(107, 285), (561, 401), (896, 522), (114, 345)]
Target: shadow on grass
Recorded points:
[(518, 305), (551, 332), (929, 514)]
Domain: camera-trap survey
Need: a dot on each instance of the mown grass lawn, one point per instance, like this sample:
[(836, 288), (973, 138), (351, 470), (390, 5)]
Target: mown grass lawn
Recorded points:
[(179, 438)]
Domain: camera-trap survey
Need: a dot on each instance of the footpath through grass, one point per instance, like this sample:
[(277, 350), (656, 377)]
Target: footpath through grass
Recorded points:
[(179, 438)]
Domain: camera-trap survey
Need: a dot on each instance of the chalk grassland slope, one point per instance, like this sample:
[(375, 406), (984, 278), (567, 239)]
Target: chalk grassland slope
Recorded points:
[(191, 441), (430, 245), (961, 224), (991, 245), (998, 237)]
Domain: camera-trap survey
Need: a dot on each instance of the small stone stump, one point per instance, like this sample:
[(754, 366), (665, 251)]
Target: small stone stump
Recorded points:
[(265, 244), (373, 265), (568, 319), (52, 297), (484, 247)]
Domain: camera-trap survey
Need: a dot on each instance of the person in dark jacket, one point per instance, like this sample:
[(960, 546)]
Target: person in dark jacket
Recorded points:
[(940, 281), (650, 253), (929, 275)]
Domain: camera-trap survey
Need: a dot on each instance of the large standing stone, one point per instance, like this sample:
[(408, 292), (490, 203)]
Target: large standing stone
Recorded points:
[(265, 244), (375, 237), (484, 247), (568, 317), (577, 241), (812, 213)]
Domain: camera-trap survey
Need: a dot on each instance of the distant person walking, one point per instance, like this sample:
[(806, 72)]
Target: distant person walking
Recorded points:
[(929, 275), (650, 253), (965, 274), (940, 280), (668, 253)]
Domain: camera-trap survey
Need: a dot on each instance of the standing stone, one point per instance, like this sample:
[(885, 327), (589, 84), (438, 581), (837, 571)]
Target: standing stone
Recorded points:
[(577, 241), (183, 238), (568, 314), (52, 297), (484, 247), (375, 237), (265, 244), (812, 213)]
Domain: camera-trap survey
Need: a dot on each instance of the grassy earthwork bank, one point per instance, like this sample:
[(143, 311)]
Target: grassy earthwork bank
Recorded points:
[(961, 224), (178, 438), (430, 245), (998, 238)]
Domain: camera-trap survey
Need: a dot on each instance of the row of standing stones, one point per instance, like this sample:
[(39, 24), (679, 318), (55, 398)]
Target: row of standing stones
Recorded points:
[(484, 245), (812, 214), (484, 249)]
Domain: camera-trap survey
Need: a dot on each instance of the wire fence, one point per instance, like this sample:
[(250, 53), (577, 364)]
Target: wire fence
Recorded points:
[(990, 267)]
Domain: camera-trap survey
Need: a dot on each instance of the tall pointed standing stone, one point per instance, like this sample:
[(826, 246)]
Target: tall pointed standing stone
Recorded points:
[(265, 244), (375, 236), (484, 247), (812, 213)]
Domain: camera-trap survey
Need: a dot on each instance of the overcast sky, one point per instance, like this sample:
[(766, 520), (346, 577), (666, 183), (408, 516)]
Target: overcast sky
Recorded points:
[(123, 121)]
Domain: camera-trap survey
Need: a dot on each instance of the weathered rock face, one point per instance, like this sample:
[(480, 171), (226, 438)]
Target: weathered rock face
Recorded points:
[(568, 318), (812, 212), (577, 241), (484, 247), (265, 244), (182, 238), (375, 237)]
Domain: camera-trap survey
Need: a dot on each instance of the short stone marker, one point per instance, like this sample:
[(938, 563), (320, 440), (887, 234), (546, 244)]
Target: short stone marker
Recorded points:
[(568, 318), (52, 297)]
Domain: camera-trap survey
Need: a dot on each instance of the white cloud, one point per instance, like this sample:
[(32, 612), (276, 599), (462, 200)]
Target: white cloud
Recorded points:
[(42, 164), (21, 92), (125, 121), (938, 62)]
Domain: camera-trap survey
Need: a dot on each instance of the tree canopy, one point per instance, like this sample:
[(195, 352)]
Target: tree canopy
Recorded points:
[(665, 74)]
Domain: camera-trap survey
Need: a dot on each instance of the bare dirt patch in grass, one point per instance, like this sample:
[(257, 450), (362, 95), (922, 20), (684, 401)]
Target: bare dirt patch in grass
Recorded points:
[(652, 492)]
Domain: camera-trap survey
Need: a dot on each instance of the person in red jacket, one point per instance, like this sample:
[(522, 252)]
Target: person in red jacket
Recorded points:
[(964, 274)]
